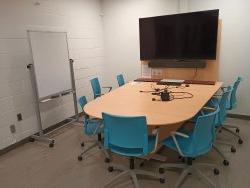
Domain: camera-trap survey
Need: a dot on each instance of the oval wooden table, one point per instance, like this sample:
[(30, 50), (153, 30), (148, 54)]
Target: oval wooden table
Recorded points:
[(169, 116)]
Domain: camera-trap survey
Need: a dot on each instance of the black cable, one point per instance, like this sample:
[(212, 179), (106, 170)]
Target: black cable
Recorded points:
[(183, 93)]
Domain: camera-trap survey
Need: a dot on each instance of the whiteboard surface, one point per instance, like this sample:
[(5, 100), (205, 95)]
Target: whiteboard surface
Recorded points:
[(51, 62)]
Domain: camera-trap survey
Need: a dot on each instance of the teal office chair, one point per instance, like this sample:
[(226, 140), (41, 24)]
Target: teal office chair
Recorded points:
[(97, 88), (189, 146), (120, 80), (232, 104), (221, 102), (92, 127), (128, 137)]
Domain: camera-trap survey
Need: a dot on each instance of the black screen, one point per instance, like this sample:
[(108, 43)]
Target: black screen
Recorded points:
[(180, 36)]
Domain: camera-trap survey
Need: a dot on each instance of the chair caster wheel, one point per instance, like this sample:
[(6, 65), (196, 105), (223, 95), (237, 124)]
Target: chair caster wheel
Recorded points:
[(110, 169), (161, 170), (183, 160), (79, 158), (233, 150), (216, 171), (31, 139), (162, 180), (240, 141), (225, 162), (141, 164), (237, 130), (82, 144), (51, 145), (106, 160)]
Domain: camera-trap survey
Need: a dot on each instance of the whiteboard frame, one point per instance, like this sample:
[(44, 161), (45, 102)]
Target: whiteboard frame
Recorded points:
[(58, 94), (41, 136)]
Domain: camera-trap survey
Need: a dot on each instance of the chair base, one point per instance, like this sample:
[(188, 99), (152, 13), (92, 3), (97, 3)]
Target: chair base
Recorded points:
[(233, 148), (235, 134), (95, 143), (225, 160), (237, 129), (218, 141), (188, 170), (125, 171)]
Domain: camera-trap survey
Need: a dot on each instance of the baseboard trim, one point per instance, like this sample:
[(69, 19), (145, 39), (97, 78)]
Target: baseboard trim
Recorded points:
[(26, 140), (239, 116)]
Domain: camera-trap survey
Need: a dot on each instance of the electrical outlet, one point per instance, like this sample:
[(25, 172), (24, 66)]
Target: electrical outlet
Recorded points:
[(12, 128), (19, 117)]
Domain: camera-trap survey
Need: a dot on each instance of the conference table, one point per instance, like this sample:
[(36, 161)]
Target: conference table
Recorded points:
[(135, 99)]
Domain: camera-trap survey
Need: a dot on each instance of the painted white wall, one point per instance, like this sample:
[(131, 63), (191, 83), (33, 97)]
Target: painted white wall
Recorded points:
[(81, 19), (183, 6), (235, 44), (121, 34)]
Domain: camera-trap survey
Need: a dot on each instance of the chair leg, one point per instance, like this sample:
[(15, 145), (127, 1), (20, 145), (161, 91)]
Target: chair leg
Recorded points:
[(105, 152), (189, 168), (201, 175), (225, 161), (95, 144), (232, 127), (147, 173), (125, 173), (135, 180), (224, 143), (231, 132), (133, 174), (182, 177)]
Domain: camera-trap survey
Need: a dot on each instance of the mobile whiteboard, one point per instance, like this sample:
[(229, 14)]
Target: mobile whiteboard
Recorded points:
[(51, 62)]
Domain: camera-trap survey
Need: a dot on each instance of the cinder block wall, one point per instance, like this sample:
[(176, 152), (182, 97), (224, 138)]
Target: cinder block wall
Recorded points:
[(82, 20)]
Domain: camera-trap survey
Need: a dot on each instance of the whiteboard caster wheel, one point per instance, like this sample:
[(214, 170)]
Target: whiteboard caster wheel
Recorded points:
[(79, 158), (31, 139), (51, 145)]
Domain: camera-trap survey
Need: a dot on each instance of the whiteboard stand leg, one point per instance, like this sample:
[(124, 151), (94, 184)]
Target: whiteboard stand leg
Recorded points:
[(71, 61), (43, 138), (40, 137)]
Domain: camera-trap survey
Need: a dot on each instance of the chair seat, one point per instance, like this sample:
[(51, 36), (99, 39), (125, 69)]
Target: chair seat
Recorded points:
[(93, 127), (134, 152), (185, 145)]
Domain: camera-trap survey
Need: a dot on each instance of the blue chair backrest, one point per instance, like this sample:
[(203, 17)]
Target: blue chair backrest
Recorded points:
[(203, 134), (233, 98), (125, 133), (90, 125), (82, 101), (120, 80), (223, 105), (95, 87)]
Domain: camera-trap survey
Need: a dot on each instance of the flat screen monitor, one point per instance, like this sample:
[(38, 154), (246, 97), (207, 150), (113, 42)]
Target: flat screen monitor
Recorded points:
[(179, 36)]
